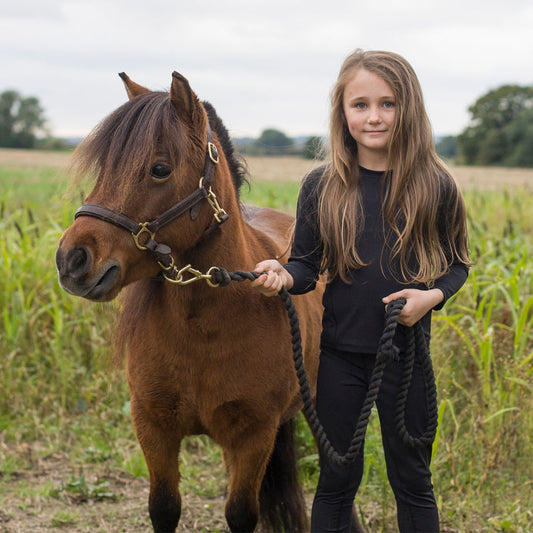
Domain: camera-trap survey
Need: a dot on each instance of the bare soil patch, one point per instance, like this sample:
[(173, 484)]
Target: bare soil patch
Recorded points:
[(38, 501)]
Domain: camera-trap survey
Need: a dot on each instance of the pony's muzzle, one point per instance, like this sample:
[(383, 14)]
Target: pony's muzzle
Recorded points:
[(75, 276), (76, 262)]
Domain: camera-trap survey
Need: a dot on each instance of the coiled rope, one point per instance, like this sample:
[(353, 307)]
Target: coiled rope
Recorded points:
[(416, 349)]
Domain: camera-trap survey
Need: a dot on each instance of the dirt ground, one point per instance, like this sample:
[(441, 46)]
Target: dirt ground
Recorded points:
[(28, 507)]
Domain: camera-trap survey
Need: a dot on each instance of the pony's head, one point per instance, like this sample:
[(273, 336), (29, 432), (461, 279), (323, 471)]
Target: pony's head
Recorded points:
[(149, 158)]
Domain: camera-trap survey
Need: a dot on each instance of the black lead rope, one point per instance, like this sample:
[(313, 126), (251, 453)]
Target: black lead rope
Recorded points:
[(416, 349)]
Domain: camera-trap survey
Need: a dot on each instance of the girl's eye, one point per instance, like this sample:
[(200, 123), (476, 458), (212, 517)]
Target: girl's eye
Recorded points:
[(160, 171), (360, 105), (388, 105)]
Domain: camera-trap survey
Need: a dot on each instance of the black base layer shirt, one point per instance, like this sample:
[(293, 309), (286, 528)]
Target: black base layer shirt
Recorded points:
[(354, 314)]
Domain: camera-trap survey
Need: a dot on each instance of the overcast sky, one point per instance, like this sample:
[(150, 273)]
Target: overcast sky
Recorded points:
[(260, 63)]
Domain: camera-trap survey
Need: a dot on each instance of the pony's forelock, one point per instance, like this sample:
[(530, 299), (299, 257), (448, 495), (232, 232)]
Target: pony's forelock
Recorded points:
[(125, 143)]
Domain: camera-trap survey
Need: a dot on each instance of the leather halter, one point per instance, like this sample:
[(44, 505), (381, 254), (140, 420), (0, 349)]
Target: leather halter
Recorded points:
[(144, 232)]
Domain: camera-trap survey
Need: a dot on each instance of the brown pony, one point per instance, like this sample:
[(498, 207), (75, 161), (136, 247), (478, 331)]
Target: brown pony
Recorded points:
[(199, 359)]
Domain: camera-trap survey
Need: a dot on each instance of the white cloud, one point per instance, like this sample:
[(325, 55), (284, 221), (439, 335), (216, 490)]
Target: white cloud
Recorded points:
[(30, 9), (260, 64)]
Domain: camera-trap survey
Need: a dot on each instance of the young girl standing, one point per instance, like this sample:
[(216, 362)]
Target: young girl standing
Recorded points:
[(382, 220)]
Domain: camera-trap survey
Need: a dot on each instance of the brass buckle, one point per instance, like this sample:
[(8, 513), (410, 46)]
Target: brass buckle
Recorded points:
[(144, 229), (213, 152), (169, 267)]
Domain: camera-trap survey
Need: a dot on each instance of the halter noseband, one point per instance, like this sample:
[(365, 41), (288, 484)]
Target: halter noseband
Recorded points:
[(143, 233)]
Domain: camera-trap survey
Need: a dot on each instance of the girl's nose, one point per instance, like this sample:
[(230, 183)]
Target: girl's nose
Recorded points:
[(374, 116)]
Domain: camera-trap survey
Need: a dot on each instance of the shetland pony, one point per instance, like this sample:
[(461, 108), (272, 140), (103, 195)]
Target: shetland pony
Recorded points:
[(163, 214)]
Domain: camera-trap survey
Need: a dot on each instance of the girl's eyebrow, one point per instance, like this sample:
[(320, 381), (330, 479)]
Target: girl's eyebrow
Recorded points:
[(364, 97)]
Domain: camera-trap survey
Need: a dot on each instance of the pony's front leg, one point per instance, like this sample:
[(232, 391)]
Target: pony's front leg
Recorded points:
[(161, 452), (165, 501), (246, 465)]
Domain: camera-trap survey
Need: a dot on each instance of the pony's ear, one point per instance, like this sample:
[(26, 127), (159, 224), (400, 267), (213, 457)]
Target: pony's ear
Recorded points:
[(183, 98), (133, 89)]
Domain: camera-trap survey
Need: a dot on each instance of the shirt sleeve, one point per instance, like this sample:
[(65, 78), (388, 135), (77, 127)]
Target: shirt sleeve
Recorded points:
[(451, 282), (306, 253), (457, 274)]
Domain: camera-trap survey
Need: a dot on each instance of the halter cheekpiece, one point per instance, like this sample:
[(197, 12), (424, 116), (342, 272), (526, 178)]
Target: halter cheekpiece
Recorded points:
[(143, 233)]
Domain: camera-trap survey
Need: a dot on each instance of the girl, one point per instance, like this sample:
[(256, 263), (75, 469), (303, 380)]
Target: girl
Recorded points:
[(383, 219)]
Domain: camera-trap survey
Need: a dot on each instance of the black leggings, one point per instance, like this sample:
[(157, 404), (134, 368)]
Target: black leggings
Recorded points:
[(342, 387)]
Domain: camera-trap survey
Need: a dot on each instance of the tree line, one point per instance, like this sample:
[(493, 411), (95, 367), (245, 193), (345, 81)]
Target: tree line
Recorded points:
[(23, 123), (500, 131), (21, 120), (273, 142)]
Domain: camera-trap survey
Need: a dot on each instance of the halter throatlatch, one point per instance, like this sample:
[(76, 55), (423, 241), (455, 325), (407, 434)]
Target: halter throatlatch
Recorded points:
[(143, 233)]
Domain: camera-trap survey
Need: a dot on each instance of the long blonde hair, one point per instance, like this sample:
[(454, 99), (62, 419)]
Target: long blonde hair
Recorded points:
[(417, 181)]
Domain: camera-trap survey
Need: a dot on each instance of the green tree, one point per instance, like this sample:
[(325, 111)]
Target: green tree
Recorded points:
[(21, 120), (519, 136), (498, 127), (274, 142)]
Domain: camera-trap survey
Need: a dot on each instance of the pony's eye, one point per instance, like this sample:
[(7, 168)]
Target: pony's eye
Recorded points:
[(160, 171)]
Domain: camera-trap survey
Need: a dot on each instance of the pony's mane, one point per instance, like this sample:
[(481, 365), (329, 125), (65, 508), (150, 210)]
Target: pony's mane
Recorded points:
[(124, 143)]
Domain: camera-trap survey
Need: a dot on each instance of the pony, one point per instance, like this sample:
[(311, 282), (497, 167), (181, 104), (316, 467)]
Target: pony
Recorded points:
[(163, 216)]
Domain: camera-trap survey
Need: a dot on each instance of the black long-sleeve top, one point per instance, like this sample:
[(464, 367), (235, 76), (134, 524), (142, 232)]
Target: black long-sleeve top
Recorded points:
[(354, 313)]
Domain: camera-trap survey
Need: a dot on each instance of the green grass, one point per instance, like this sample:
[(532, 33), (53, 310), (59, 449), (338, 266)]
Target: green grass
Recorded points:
[(22, 187), (275, 194), (59, 388), (483, 352)]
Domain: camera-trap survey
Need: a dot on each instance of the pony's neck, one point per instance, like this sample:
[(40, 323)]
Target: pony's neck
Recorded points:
[(226, 246)]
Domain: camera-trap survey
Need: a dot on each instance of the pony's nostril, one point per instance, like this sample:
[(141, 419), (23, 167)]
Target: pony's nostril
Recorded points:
[(78, 262)]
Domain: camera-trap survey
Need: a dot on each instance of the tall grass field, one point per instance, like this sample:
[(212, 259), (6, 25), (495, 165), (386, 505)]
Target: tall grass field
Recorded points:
[(65, 434)]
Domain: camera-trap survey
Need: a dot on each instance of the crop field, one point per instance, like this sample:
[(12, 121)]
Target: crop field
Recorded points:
[(69, 460)]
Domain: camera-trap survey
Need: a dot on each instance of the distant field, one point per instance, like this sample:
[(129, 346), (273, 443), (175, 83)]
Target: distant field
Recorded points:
[(482, 178), (294, 168), (33, 158)]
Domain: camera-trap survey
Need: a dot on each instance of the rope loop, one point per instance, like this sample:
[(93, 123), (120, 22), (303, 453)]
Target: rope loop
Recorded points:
[(387, 352), (221, 277)]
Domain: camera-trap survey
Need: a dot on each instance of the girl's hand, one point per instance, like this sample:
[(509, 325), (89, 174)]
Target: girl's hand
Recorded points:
[(273, 277), (418, 303)]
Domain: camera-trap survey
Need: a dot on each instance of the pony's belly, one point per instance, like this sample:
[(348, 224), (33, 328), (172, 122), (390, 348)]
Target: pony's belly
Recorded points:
[(193, 399)]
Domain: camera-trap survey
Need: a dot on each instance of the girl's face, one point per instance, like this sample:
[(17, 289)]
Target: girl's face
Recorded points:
[(369, 109)]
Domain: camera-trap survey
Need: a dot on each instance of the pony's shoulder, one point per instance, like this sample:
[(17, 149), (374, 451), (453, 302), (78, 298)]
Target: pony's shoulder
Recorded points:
[(271, 228), (253, 215)]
